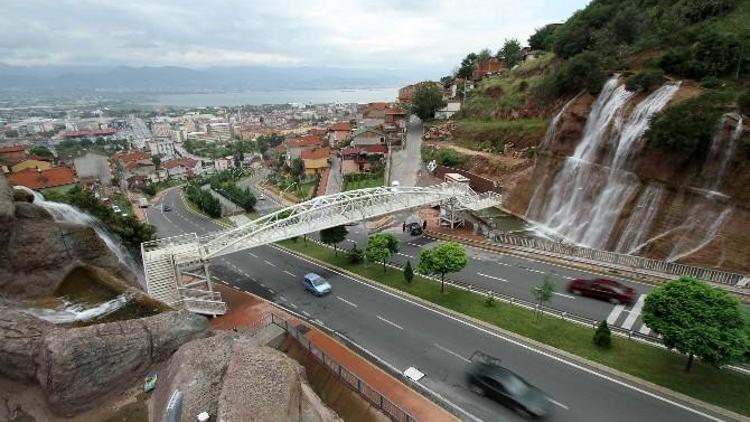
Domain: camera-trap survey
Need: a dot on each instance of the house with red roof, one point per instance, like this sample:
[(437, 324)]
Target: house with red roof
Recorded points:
[(295, 146), (339, 133), (38, 179), (12, 153), (316, 160)]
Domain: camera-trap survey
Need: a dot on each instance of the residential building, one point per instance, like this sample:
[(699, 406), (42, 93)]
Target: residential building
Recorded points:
[(368, 137), (93, 168), (162, 147), (179, 168), (222, 164), (55, 177), (490, 67), (295, 146), (406, 93), (339, 133), (451, 108), (316, 160), (12, 153)]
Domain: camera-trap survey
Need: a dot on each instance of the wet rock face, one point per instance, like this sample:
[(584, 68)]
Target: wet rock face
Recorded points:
[(36, 254), (79, 365), (21, 339)]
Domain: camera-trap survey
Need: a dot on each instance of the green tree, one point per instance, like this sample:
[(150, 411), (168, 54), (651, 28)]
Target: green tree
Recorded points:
[(686, 126), (427, 99), (408, 272), (157, 163), (446, 257), (380, 247), (467, 66), (743, 102), (511, 52), (333, 236), (297, 169), (542, 295), (484, 55), (698, 320), (41, 151), (542, 38), (602, 335), (355, 255)]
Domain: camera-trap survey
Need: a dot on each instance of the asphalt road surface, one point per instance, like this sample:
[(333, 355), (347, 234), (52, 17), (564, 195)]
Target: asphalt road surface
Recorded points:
[(406, 334)]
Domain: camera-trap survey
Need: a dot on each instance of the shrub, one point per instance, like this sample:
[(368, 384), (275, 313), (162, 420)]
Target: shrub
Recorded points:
[(408, 272), (713, 54), (489, 301), (646, 80), (543, 37), (583, 71), (685, 127), (602, 336), (711, 82), (355, 255), (203, 200)]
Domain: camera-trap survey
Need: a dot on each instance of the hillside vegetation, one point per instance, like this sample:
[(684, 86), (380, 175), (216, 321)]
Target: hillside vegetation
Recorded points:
[(649, 42)]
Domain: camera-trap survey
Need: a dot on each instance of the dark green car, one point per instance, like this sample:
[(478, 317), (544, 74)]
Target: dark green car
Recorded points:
[(487, 377)]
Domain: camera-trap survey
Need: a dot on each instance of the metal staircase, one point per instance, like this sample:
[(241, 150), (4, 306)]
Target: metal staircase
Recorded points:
[(177, 267)]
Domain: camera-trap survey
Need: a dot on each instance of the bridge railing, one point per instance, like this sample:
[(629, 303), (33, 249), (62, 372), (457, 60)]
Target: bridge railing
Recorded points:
[(632, 261)]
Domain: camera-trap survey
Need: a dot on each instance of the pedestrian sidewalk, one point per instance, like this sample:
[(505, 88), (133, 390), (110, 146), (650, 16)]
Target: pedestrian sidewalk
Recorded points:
[(247, 310)]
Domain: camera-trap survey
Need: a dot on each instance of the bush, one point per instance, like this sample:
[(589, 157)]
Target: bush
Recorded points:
[(686, 127), (489, 301), (746, 145), (602, 336), (583, 71), (444, 156), (408, 272), (646, 80), (203, 200), (711, 82), (713, 54), (355, 255), (543, 37)]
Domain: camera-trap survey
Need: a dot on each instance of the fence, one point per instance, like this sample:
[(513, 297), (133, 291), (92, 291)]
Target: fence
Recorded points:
[(478, 183), (375, 398), (630, 261)]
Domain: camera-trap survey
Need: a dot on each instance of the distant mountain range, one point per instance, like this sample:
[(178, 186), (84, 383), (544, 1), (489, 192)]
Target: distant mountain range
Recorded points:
[(171, 79)]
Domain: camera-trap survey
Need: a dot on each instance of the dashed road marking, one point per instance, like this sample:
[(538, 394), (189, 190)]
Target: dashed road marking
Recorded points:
[(307, 314), (634, 312), (252, 254), (566, 296), (272, 291), (533, 270), (416, 245), (293, 305), (492, 277), (451, 352), (269, 262), (389, 322), (557, 403), (347, 302), (282, 298), (288, 273), (403, 254), (615, 314)]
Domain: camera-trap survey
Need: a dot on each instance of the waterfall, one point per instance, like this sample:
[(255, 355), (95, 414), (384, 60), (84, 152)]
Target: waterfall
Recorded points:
[(549, 135), (73, 311), (589, 193), (64, 213), (721, 152), (640, 221), (692, 240)]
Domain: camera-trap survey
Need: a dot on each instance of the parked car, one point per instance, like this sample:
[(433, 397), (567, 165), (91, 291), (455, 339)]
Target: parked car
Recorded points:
[(166, 208), (316, 284), (487, 377), (414, 229), (602, 288)]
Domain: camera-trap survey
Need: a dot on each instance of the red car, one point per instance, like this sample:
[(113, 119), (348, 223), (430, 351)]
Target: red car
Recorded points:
[(601, 288)]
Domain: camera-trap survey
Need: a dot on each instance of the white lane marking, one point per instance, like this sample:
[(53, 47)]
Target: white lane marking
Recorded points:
[(511, 340), (262, 285), (272, 291), (252, 254), (534, 271), (288, 273), (319, 322), (269, 263), (353, 241), (615, 314), (563, 295), (403, 254), (492, 277), (630, 320), (568, 277), (557, 403), (389, 322), (347, 302), (416, 245), (307, 314), (293, 305), (645, 330), (451, 352), (282, 298), (245, 274)]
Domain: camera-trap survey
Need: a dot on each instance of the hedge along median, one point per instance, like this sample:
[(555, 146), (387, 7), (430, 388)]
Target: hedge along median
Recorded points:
[(721, 387)]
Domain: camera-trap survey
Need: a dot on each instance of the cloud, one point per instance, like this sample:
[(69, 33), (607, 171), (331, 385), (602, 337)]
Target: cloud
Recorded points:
[(364, 33)]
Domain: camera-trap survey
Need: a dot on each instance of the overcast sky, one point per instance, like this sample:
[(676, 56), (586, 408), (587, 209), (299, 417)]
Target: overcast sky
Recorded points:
[(388, 34)]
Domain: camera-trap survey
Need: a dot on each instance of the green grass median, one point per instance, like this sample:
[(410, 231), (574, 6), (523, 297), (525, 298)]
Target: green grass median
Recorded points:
[(721, 387)]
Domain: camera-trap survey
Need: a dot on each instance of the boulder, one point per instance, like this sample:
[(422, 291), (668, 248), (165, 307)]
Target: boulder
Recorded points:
[(79, 365), (21, 195), (21, 340), (7, 204)]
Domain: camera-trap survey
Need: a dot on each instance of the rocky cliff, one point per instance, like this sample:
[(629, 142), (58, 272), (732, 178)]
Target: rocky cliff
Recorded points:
[(36, 253)]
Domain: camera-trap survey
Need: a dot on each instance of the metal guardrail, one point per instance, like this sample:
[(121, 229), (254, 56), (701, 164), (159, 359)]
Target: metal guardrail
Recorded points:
[(357, 384)]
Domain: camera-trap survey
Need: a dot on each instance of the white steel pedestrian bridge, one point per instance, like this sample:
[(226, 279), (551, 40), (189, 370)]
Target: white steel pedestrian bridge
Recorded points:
[(177, 271)]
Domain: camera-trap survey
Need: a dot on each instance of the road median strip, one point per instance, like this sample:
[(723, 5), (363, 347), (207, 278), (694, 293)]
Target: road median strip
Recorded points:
[(720, 391)]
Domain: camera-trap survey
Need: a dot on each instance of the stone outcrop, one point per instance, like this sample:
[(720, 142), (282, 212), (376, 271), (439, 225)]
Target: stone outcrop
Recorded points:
[(237, 381), (36, 253), (77, 366)]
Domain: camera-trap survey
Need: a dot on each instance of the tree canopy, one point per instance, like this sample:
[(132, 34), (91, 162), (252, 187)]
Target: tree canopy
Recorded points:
[(427, 99), (446, 257), (333, 236), (542, 38), (380, 247), (698, 320), (467, 66), (511, 52)]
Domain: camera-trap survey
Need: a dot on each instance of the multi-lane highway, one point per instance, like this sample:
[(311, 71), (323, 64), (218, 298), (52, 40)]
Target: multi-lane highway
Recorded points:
[(407, 334)]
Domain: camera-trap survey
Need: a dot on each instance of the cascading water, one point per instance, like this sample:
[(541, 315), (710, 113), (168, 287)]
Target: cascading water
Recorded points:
[(640, 221), (589, 193), (721, 152), (65, 213)]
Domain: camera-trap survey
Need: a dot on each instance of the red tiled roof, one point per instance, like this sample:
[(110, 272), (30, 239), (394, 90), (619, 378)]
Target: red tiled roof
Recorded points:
[(316, 154), (12, 148), (375, 149), (342, 127), (127, 157), (185, 162), (35, 179), (350, 151), (395, 110), (305, 141), (82, 133)]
